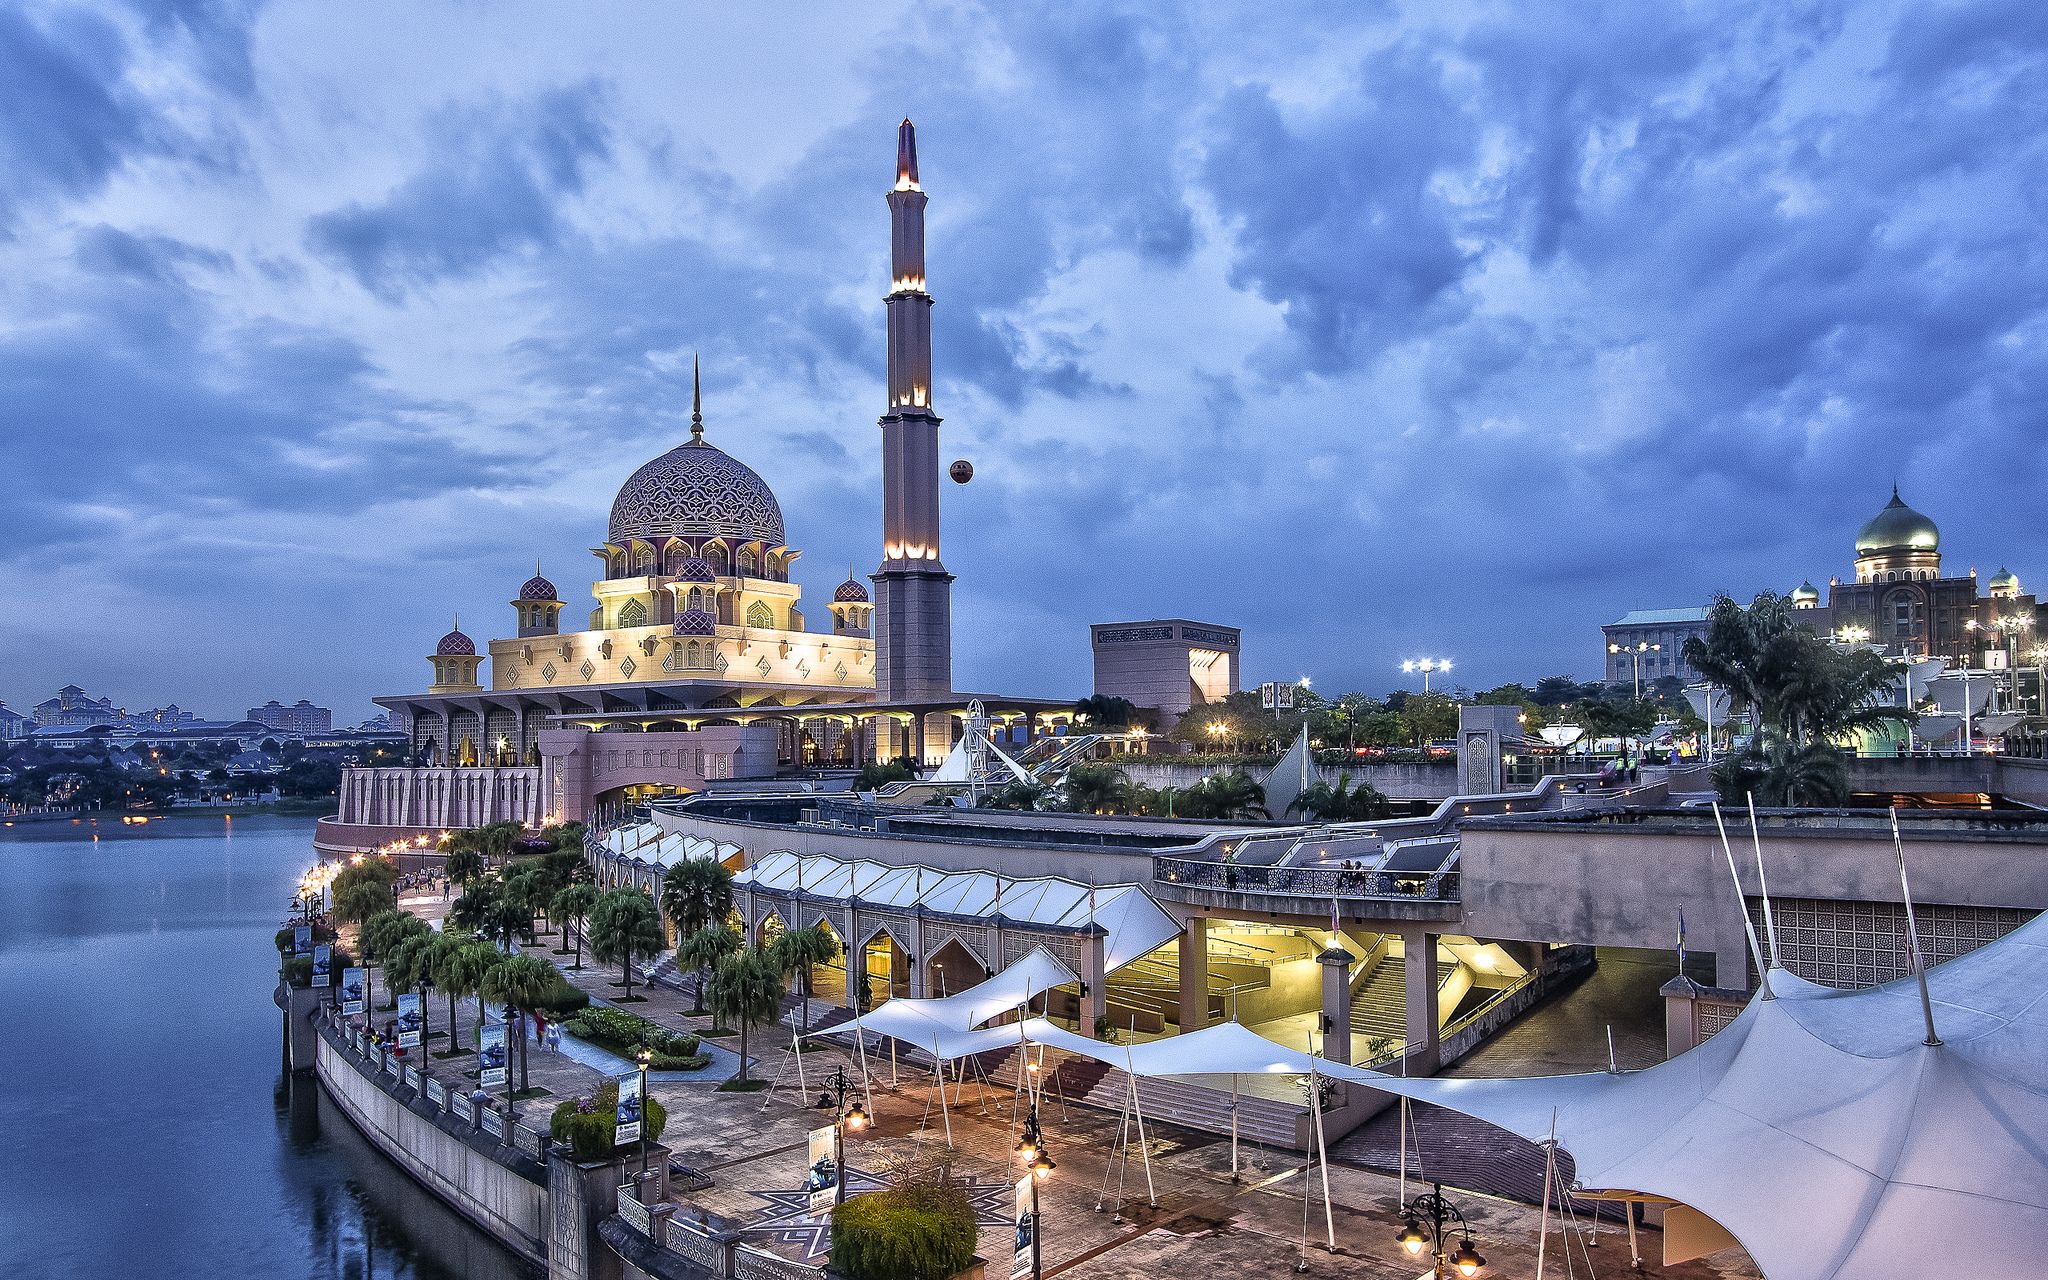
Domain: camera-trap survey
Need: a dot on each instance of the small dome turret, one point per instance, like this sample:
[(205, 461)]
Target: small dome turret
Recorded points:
[(850, 592), (2004, 584), (1898, 528), (695, 622), (538, 588), (695, 569), (1806, 596), (455, 645)]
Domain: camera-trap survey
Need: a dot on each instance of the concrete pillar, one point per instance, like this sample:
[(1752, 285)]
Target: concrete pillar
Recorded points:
[(1419, 990), (1094, 992), (1336, 963), (1194, 974)]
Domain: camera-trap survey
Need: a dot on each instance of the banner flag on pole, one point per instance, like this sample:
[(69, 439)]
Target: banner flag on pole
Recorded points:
[(351, 992), (626, 1123), (410, 1020), (490, 1055), (1027, 1227), (821, 1179), (323, 965)]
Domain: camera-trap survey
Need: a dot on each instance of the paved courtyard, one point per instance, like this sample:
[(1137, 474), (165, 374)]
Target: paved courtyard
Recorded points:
[(1101, 1216)]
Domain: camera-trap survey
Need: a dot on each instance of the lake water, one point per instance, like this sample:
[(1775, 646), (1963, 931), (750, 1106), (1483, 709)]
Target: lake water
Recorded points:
[(150, 1129)]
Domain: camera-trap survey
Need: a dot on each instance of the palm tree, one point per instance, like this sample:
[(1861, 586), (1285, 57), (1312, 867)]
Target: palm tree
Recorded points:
[(746, 990), (1225, 795), (1105, 711), (704, 951), (362, 900), (572, 907), (1020, 795), (1340, 803), (497, 838), (624, 927), (531, 887), (1092, 788), (464, 864), (408, 968), (521, 983), (696, 894), (459, 965), (473, 910), (797, 952)]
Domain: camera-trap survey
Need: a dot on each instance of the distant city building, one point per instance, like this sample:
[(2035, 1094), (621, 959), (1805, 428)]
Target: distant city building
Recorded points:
[(73, 708), (1166, 665), (1655, 638), (167, 717), (302, 717), (1899, 602), (13, 724)]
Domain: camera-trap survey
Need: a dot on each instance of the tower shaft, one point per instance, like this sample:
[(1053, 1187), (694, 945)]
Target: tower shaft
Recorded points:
[(913, 591)]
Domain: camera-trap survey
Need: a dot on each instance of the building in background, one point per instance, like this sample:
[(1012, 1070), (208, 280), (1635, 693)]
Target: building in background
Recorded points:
[(1655, 638), (1165, 665), (1899, 602), (301, 718), (73, 708), (13, 724)]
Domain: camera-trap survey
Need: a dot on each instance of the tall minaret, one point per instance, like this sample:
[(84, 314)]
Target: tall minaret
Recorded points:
[(913, 622)]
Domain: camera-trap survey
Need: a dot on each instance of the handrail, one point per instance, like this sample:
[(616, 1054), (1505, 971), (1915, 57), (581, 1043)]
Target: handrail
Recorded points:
[(1310, 882)]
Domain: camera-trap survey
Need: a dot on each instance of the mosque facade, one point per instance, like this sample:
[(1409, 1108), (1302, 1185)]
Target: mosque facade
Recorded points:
[(696, 660)]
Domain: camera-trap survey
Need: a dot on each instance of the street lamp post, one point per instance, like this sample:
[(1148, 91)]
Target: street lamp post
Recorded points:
[(1635, 654), (1426, 666), (843, 1118), (1031, 1146), (1427, 1217), (644, 1057)]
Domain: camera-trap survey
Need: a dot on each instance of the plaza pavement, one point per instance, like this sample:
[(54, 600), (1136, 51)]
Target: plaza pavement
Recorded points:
[(756, 1156)]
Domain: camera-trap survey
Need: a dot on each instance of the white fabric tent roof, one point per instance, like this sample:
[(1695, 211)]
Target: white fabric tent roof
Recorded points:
[(1133, 922), (950, 1026), (1818, 1128), (651, 846)]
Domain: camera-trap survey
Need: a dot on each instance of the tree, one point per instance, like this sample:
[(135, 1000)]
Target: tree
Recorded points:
[(459, 966), (408, 967), (1340, 803), (1807, 697), (465, 862), (532, 888), (696, 893), (1104, 711), (362, 900), (746, 990), (1018, 795), (704, 950), (572, 908), (624, 927), (797, 952), (497, 839), (1224, 795), (473, 910), (1096, 788), (877, 774), (522, 984)]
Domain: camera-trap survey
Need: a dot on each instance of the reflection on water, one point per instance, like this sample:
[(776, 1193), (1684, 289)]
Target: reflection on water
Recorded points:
[(151, 1128)]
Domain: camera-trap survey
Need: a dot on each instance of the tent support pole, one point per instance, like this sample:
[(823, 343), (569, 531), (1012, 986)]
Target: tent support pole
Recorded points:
[(1913, 937), (1763, 885), (860, 1047), (1549, 1180), (1635, 1254), (939, 1065), (1233, 1127), (1323, 1156), (1144, 1144), (1756, 950)]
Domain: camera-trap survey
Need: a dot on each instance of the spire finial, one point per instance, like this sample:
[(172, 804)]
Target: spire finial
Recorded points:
[(696, 400), (906, 156)]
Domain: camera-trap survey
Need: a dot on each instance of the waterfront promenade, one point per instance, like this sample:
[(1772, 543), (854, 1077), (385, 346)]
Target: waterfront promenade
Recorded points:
[(1099, 1218)]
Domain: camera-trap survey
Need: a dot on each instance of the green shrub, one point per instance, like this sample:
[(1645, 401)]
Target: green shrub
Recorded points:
[(564, 1000), (623, 1032), (586, 1125), (321, 933), (298, 970), (923, 1231)]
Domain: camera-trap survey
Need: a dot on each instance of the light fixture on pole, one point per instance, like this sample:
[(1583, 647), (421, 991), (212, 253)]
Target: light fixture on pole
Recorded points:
[(1427, 667), (1635, 653), (1424, 1231), (843, 1118), (644, 1057), (1031, 1148)]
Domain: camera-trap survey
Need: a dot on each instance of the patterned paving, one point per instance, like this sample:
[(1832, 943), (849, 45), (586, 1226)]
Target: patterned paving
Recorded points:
[(788, 1220)]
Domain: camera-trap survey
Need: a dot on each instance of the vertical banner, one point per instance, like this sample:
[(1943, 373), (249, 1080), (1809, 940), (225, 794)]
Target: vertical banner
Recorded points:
[(351, 992), (302, 939), (323, 965), (1027, 1229), (409, 1020), (822, 1180), (626, 1124), (490, 1055)]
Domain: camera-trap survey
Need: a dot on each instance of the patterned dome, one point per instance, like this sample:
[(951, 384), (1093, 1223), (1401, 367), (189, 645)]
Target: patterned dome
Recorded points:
[(2005, 580), (696, 569), (695, 622), (1806, 593), (455, 645), (696, 491), (850, 592), (1898, 528), (538, 588)]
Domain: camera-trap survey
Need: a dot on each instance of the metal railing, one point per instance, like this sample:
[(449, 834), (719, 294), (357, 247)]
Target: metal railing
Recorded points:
[(1306, 882)]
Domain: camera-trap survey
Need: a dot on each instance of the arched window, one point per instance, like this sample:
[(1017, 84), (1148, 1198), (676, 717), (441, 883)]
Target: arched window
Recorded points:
[(632, 614), (716, 555), (693, 655), (760, 615), (744, 565), (696, 598)]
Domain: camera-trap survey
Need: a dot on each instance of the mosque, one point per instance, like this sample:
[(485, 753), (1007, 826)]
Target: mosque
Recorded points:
[(697, 661)]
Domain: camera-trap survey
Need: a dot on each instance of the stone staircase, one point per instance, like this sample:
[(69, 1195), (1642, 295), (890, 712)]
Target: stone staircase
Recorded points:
[(1380, 1007)]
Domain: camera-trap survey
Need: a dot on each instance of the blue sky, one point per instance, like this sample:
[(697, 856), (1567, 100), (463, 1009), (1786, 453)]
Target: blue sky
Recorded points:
[(1377, 330)]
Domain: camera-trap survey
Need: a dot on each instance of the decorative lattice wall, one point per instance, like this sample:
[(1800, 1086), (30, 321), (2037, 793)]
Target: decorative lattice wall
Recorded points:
[(1862, 944)]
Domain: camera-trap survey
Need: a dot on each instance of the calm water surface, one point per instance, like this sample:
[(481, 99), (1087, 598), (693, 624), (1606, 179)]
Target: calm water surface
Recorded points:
[(150, 1129)]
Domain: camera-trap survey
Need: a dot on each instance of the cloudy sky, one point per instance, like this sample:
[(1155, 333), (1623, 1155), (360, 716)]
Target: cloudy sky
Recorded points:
[(1378, 330)]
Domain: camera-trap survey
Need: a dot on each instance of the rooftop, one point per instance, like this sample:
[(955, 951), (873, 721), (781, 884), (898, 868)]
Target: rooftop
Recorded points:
[(1659, 617)]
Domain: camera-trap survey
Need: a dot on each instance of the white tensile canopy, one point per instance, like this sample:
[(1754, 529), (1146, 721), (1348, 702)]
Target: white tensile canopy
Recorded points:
[(651, 846), (1133, 922), (949, 1027), (1818, 1128)]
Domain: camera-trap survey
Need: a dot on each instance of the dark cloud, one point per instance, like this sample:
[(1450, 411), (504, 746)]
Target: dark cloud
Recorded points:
[(70, 122), (492, 183)]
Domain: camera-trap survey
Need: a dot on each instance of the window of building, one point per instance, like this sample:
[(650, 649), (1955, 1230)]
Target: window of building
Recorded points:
[(632, 614), (744, 564), (759, 614)]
